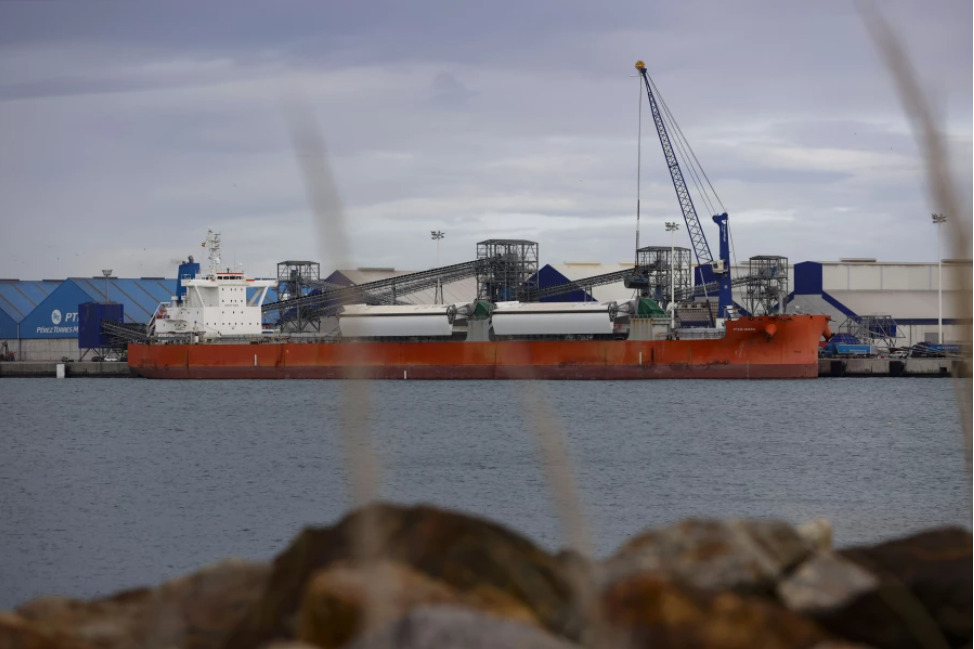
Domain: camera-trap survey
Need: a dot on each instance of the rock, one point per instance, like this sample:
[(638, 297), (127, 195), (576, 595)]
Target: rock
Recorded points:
[(817, 533), (470, 555), (924, 598), (448, 627), (18, 633), (824, 583), (335, 607), (648, 611), (193, 612), (105, 623), (903, 594), (336, 602), (748, 557)]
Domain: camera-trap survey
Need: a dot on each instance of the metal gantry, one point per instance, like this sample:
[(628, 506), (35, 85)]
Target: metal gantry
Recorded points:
[(667, 270), (874, 328), (508, 270), (296, 279), (767, 287)]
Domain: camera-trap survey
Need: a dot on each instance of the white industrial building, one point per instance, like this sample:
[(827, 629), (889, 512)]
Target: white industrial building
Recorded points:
[(907, 292)]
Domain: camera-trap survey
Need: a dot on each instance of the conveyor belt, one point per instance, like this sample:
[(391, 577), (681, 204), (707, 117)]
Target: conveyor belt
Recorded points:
[(384, 291)]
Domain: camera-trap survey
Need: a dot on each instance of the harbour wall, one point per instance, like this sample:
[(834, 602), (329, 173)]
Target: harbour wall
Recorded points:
[(75, 369), (875, 367)]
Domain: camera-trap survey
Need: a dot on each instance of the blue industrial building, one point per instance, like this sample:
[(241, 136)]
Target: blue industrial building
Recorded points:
[(57, 315), (39, 320), (18, 299)]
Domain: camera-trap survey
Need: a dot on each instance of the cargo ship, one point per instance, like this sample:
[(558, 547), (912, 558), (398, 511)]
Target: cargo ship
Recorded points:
[(763, 347), (212, 329)]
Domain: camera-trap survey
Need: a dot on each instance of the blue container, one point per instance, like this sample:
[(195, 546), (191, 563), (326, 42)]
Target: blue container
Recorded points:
[(853, 350)]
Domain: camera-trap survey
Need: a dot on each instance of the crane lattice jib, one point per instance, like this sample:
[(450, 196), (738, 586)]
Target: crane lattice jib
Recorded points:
[(697, 239)]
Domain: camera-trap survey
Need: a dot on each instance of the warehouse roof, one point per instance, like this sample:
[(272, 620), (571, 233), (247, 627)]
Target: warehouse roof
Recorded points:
[(139, 297), (18, 298)]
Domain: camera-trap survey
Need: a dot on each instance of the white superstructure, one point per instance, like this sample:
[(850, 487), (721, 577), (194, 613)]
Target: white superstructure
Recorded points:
[(215, 304)]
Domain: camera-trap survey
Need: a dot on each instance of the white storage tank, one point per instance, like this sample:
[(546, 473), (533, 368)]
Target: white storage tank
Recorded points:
[(397, 321), (553, 318)]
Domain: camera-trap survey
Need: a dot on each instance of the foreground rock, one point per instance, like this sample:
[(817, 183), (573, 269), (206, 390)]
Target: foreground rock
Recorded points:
[(447, 627), (825, 583), (748, 557), (18, 633), (343, 601), (646, 611), (388, 576), (194, 612), (476, 558)]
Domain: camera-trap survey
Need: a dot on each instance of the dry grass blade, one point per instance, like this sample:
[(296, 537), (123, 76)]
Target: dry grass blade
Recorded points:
[(560, 477), (557, 467), (319, 183), (329, 220), (944, 193)]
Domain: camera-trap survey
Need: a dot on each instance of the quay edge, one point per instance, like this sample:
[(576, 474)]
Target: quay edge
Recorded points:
[(76, 369), (893, 367)]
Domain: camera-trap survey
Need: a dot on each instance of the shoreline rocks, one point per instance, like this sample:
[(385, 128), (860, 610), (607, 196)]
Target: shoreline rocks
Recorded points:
[(420, 576)]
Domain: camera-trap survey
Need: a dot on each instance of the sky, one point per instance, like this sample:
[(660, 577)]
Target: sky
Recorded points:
[(128, 129)]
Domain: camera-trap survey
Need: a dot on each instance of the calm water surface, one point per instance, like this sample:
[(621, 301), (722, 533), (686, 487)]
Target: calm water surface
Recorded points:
[(112, 483)]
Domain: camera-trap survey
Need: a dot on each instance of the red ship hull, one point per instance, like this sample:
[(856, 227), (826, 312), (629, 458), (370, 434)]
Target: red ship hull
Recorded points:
[(764, 347)]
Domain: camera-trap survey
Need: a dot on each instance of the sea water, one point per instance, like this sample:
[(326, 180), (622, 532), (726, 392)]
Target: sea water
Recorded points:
[(108, 484)]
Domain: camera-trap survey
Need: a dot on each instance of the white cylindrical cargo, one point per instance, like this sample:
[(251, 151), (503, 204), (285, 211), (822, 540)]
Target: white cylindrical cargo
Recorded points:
[(399, 321), (552, 318)]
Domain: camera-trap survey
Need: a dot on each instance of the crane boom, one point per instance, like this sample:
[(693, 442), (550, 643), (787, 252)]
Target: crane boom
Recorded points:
[(707, 271), (701, 249)]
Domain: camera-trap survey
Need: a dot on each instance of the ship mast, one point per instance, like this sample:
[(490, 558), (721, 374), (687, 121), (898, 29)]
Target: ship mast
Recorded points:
[(213, 241)]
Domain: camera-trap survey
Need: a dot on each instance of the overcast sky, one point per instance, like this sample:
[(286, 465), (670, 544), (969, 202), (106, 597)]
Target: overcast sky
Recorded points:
[(127, 129)]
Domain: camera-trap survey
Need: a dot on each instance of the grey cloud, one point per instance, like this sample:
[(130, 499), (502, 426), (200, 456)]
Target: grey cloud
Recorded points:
[(448, 91), (155, 121)]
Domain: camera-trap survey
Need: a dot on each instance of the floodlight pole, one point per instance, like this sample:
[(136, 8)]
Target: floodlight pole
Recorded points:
[(107, 273), (436, 235), (672, 227), (938, 220)]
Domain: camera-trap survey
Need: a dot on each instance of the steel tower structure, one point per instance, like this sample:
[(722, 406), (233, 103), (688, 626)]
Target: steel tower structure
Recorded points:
[(508, 270)]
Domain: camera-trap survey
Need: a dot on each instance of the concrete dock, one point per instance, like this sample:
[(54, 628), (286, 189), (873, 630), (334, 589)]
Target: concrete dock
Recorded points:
[(73, 369), (919, 367)]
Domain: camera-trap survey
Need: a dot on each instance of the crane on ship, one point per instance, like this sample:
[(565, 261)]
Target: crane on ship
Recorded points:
[(709, 271)]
